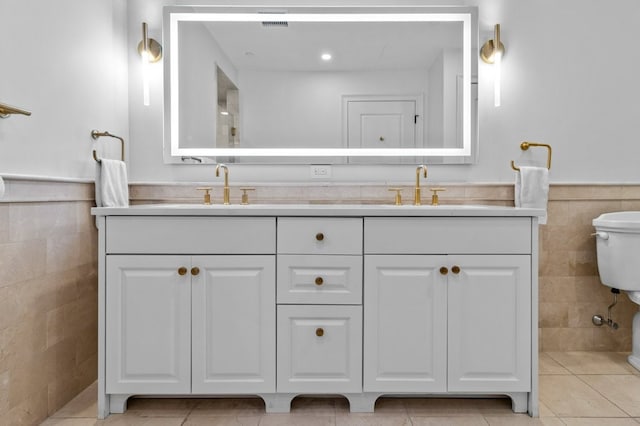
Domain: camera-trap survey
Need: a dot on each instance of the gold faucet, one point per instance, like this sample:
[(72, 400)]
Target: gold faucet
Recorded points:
[(422, 167), (225, 194)]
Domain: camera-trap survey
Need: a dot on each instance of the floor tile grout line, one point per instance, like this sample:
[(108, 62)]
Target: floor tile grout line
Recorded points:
[(188, 414), (601, 394)]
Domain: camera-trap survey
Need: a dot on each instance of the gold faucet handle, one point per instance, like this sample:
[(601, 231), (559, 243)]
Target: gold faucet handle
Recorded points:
[(245, 195), (398, 200), (207, 193), (434, 197)]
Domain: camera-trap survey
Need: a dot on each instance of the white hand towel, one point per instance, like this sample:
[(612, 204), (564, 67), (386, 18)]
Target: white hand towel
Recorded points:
[(112, 187), (532, 189), (1, 187)]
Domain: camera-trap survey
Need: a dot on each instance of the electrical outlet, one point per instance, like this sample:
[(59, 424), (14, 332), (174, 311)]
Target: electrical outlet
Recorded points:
[(320, 171)]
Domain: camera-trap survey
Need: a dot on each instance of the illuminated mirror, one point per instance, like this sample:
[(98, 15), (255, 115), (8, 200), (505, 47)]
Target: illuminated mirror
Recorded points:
[(331, 85)]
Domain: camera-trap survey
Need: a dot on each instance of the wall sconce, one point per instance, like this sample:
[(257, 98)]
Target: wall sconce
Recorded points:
[(150, 51), (491, 53)]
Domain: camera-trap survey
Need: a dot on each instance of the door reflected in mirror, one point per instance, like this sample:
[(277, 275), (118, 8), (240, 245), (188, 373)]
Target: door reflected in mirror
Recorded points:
[(327, 85)]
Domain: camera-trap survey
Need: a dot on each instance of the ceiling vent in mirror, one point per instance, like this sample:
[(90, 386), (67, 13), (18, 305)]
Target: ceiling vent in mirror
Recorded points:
[(275, 23)]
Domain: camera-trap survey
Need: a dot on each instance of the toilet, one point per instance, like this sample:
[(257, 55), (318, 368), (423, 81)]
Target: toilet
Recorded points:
[(618, 248)]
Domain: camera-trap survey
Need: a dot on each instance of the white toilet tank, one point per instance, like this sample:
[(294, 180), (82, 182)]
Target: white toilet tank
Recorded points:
[(618, 249)]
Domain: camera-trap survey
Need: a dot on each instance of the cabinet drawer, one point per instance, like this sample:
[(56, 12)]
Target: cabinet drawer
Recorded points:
[(320, 279), (297, 235), (319, 349), (448, 235), (190, 235)]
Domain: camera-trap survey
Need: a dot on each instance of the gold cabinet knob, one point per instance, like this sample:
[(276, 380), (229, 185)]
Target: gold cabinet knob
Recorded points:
[(182, 270), (319, 332), (319, 236), (195, 270), (444, 270), (455, 269), (319, 281)]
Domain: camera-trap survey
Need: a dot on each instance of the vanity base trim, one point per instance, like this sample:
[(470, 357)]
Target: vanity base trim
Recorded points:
[(358, 402)]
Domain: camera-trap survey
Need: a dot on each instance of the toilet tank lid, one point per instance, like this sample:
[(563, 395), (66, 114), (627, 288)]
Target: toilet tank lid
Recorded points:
[(619, 221)]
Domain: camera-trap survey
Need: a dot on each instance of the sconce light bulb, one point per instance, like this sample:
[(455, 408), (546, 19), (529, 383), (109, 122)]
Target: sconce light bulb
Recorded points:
[(224, 113), (145, 79), (146, 56), (497, 64)]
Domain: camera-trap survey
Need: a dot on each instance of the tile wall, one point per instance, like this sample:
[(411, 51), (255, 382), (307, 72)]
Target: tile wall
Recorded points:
[(48, 277), (48, 298), (570, 289)]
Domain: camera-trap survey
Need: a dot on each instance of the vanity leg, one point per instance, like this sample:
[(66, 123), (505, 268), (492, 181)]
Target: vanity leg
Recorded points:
[(103, 406), (362, 402), (519, 401), (278, 403), (533, 405), (118, 403)]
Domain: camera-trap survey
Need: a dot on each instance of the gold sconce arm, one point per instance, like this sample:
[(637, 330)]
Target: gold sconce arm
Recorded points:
[(7, 110), (525, 146), (493, 46), (149, 46)]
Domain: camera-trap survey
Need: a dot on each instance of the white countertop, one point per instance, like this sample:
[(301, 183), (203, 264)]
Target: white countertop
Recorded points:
[(313, 210)]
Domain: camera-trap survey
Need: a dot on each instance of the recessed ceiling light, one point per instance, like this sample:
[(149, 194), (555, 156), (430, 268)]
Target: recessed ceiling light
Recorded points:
[(326, 56)]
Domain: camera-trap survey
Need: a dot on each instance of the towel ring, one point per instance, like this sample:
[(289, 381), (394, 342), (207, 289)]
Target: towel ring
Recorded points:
[(96, 134), (525, 146)]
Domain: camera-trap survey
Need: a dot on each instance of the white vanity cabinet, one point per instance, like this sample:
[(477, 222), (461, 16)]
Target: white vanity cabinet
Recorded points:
[(189, 323), (440, 314), (319, 305), (278, 301)]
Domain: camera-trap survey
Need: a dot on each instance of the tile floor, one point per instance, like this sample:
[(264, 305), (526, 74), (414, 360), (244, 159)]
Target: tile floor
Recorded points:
[(576, 388)]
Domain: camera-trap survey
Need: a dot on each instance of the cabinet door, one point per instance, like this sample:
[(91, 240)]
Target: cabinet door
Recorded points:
[(319, 348), (490, 323), (405, 341), (234, 324), (148, 324)]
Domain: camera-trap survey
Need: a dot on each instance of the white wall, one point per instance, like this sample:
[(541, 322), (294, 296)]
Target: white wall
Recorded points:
[(569, 79), (62, 60)]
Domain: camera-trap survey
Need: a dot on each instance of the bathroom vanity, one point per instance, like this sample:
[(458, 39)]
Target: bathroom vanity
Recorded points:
[(283, 300)]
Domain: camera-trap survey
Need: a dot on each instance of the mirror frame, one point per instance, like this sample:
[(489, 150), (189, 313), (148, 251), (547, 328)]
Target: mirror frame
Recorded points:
[(173, 15)]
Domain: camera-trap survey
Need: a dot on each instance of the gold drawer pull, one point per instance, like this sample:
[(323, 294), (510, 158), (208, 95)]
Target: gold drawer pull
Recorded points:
[(455, 269), (319, 281), (319, 332), (319, 236), (444, 270), (195, 270), (182, 270)]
